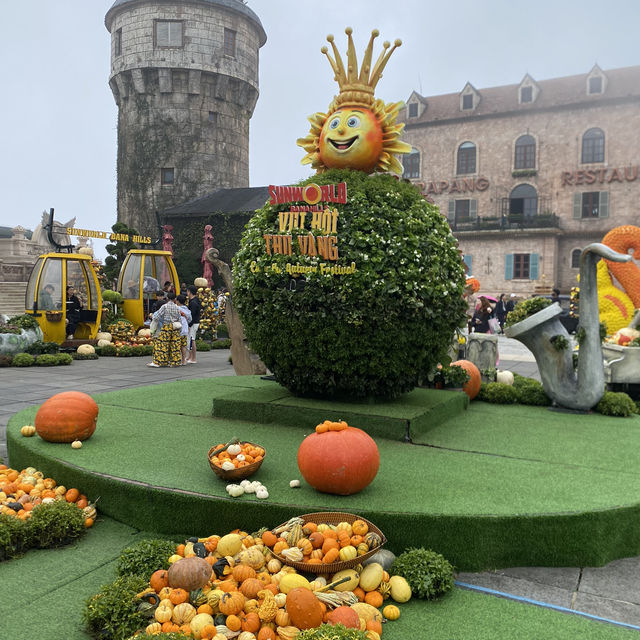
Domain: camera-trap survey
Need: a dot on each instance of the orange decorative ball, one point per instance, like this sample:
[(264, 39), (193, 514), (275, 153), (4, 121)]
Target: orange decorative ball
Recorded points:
[(472, 386), (67, 416)]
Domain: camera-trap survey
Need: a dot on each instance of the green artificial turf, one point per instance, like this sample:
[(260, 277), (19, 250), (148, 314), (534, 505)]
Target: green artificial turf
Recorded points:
[(44, 594), (501, 485)]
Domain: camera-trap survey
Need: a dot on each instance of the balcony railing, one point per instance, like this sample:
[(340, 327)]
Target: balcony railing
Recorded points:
[(506, 222)]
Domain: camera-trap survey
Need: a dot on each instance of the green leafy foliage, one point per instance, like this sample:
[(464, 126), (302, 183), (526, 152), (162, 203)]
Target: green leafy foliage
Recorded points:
[(115, 297), (498, 393), (559, 342), (331, 632), (530, 391), (23, 360), (222, 330), (202, 345), (46, 360), (112, 613), (5, 361), (524, 309), (52, 525), (38, 347), (13, 536), (221, 344), (452, 376), (616, 403), (107, 350), (333, 337), (145, 557), (84, 356), (429, 574), (63, 358), (24, 321)]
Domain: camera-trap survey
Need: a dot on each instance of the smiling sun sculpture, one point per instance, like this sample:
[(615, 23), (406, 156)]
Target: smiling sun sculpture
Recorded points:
[(359, 131)]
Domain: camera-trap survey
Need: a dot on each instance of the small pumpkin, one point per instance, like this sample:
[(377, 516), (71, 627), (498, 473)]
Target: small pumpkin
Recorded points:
[(104, 335), (251, 586), (344, 615), (28, 430), (67, 416), (85, 349), (243, 571), (183, 613), (103, 343), (400, 589), (231, 603), (304, 608), (267, 633), (391, 612), (189, 573), (198, 624), (250, 621)]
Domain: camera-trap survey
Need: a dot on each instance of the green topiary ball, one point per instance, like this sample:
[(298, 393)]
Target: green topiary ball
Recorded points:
[(366, 333)]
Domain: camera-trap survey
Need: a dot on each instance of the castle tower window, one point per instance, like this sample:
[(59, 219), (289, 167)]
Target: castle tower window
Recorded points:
[(523, 201), (595, 84), (229, 43), (413, 110), (593, 146), (168, 33), (466, 158), (167, 175), (525, 157), (526, 94), (117, 42), (467, 101), (411, 164), (575, 258)]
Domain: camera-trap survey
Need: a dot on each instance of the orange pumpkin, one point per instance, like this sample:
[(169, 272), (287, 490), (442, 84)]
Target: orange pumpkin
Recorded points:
[(243, 571), (67, 416), (251, 586), (344, 615), (304, 608), (267, 633), (472, 386), (231, 603), (250, 621)]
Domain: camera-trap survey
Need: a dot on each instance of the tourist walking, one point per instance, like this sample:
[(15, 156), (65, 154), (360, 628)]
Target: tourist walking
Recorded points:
[(481, 316), (184, 332), (501, 311), (166, 345), (195, 307)]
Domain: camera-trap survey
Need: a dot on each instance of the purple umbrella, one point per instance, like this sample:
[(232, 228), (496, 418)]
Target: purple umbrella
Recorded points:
[(490, 298)]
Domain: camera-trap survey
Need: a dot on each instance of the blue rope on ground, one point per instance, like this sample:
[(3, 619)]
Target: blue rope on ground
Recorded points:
[(546, 605)]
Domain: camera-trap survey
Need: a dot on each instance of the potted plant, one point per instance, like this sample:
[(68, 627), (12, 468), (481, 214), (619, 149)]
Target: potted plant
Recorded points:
[(450, 377)]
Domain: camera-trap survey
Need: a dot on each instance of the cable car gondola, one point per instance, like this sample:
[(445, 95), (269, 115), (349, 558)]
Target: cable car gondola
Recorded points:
[(142, 275), (46, 299)]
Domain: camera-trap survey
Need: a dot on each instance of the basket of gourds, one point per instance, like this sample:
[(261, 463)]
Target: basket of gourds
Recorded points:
[(326, 542), (236, 460), (53, 316)]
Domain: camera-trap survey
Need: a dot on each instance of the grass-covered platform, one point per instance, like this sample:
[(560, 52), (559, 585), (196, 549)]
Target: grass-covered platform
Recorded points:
[(487, 486)]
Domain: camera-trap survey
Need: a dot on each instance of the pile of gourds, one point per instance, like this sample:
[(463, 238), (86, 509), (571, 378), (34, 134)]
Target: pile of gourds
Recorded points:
[(21, 491), (234, 586)]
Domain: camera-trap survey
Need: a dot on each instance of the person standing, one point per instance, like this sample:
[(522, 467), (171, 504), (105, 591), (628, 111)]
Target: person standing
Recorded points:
[(73, 308), (184, 332), (501, 311), (195, 307), (166, 346), (481, 316)]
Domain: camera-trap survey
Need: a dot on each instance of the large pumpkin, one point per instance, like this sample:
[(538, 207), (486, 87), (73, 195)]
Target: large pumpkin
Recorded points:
[(339, 462), (189, 573), (304, 608), (67, 416), (472, 386)]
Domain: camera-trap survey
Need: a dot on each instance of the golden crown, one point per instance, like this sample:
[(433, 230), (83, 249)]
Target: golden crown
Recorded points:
[(357, 87)]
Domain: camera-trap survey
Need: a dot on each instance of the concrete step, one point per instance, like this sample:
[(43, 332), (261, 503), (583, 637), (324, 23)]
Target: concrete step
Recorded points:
[(12, 298)]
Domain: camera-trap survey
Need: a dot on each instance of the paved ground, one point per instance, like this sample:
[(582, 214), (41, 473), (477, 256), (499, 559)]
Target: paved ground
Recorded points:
[(611, 592)]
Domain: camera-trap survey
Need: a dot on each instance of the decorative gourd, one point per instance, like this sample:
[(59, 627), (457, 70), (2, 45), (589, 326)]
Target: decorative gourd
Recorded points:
[(371, 576), (351, 584), (282, 618), (252, 556), (304, 608), (76, 444), (250, 621), (505, 377), (383, 557), (274, 565), (67, 416), (153, 628), (267, 633), (391, 612), (373, 540), (144, 333), (103, 343), (400, 589), (366, 611), (472, 386), (104, 335), (201, 282), (250, 587), (340, 462), (189, 573), (85, 349), (163, 611), (183, 613), (229, 545), (198, 623), (246, 635), (243, 571), (287, 633), (291, 581), (269, 607), (348, 553), (344, 615), (159, 579), (231, 603), (28, 430)]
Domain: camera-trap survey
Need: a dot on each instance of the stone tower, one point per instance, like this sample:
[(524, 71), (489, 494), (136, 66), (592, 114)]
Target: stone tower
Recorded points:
[(184, 74)]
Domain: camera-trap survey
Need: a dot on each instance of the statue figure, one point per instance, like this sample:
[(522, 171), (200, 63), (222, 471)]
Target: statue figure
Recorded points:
[(245, 361), (167, 238), (207, 267), (40, 235), (540, 332)]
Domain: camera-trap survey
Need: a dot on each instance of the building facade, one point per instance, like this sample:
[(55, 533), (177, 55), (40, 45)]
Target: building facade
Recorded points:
[(184, 74), (529, 174)]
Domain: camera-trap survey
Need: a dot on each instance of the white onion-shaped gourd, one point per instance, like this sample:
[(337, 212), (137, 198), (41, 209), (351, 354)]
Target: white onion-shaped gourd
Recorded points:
[(104, 335), (85, 349), (505, 377)]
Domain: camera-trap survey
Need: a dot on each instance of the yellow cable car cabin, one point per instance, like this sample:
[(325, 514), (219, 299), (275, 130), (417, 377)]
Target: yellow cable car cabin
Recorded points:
[(46, 297), (143, 274)]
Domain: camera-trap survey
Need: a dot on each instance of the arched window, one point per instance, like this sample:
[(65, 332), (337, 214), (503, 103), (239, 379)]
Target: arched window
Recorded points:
[(575, 258), (411, 164), (525, 157), (593, 146), (466, 158), (523, 200)]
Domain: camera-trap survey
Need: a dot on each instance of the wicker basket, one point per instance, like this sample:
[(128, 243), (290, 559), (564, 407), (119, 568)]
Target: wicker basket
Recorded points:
[(236, 474), (334, 517), (53, 316)]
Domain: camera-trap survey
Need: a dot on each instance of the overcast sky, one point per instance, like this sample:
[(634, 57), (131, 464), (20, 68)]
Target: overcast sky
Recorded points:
[(60, 117)]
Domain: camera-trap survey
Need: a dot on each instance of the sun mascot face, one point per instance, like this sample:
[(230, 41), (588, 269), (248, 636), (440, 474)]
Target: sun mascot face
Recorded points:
[(351, 137), (358, 132)]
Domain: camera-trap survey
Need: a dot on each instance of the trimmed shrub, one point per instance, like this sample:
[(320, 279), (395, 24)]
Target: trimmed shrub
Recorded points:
[(63, 358), (84, 356), (107, 350), (145, 557), (52, 525), (46, 360), (222, 330), (13, 536), (616, 403), (202, 345), (5, 361), (40, 347), (428, 573), (498, 393), (524, 309), (530, 391), (23, 360), (221, 344), (329, 334)]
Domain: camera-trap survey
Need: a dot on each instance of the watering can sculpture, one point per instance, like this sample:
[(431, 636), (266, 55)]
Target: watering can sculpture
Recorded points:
[(582, 389)]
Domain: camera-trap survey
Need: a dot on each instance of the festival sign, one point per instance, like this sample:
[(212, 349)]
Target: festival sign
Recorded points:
[(108, 235)]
